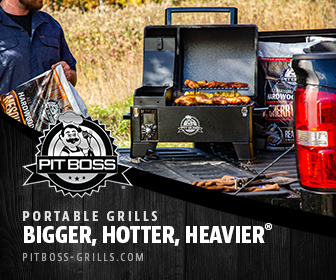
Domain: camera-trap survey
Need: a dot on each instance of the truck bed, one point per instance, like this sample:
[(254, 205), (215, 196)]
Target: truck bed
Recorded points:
[(191, 164)]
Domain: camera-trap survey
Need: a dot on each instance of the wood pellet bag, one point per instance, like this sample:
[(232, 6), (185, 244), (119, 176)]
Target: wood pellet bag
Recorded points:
[(38, 102), (280, 82)]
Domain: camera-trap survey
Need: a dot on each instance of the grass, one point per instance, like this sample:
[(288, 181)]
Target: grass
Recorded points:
[(112, 117), (107, 43)]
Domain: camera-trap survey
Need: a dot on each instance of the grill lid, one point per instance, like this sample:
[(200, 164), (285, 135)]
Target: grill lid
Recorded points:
[(224, 53)]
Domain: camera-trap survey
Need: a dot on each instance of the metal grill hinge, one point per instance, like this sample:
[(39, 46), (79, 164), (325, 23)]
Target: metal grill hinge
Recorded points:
[(244, 112)]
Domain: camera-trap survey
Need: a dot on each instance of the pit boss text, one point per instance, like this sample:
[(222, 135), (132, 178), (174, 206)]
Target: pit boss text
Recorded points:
[(78, 164)]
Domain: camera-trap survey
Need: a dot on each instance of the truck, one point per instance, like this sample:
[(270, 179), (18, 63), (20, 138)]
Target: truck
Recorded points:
[(240, 140)]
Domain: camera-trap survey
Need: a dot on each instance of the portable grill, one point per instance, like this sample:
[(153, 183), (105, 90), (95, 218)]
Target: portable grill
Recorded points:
[(174, 53)]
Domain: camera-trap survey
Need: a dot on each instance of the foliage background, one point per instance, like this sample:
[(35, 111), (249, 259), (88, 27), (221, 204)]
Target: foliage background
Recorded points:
[(106, 37)]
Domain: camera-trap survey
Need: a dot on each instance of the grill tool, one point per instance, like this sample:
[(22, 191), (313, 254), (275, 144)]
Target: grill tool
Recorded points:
[(266, 168)]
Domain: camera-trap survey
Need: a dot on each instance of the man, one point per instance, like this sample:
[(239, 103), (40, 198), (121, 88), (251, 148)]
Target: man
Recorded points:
[(72, 140), (31, 42)]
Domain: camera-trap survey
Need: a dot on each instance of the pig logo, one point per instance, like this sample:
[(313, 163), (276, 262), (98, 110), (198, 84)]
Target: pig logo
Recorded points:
[(77, 156)]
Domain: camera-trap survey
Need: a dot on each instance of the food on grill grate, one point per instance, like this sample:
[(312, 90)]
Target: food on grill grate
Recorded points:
[(186, 100), (227, 94), (201, 99), (202, 83), (218, 93), (234, 100), (191, 84), (208, 94), (219, 100), (235, 85), (213, 84), (245, 99)]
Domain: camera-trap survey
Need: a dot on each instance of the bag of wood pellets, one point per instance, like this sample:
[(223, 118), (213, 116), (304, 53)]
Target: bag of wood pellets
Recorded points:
[(38, 102), (280, 82)]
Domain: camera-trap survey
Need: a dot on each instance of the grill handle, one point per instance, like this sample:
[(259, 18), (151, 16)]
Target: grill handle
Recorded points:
[(233, 12)]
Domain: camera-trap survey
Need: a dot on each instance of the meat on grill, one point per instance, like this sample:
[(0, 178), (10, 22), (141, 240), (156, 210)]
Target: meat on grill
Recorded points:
[(213, 84), (203, 99), (234, 100), (200, 99), (219, 100), (186, 100), (235, 85), (191, 84), (195, 99), (202, 83), (245, 99)]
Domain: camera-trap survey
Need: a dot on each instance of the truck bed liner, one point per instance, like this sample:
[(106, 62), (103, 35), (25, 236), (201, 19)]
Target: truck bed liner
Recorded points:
[(191, 164)]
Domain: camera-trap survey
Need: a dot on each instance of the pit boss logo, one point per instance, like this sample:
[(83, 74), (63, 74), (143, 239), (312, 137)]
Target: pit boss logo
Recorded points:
[(51, 109), (77, 156), (190, 126), (275, 135), (288, 76)]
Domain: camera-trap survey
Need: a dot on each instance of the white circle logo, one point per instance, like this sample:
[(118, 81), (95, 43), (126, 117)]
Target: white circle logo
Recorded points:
[(190, 126)]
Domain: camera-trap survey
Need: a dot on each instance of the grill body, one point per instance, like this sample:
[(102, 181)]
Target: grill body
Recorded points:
[(174, 53)]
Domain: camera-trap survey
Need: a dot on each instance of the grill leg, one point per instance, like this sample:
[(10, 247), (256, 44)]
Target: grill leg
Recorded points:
[(138, 149), (141, 149), (244, 150)]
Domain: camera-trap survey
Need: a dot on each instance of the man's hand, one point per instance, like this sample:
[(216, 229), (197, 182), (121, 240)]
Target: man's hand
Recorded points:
[(70, 74)]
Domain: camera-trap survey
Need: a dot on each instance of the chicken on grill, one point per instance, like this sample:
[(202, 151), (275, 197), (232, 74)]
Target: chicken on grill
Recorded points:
[(219, 100), (236, 85), (233, 100), (245, 99), (207, 94), (213, 84), (202, 83), (191, 84), (200, 99), (203, 99), (186, 100), (195, 99)]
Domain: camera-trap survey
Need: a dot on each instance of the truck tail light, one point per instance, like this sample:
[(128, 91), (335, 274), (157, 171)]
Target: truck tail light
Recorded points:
[(315, 128)]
